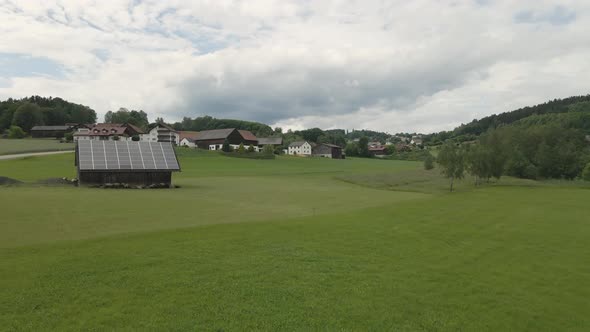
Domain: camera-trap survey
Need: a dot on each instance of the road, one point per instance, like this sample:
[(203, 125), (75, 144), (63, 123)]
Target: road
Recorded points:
[(32, 154)]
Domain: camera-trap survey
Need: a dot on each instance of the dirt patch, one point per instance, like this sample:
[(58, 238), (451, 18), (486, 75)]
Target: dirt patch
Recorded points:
[(58, 182), (4, 181)]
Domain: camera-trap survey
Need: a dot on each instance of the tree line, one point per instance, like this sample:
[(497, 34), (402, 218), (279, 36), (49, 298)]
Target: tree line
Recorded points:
[(548, 151), (567, 110), (33, 111)]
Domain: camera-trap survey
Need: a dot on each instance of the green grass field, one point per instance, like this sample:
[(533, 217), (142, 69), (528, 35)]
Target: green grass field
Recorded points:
[(27, 145), (292, 244)]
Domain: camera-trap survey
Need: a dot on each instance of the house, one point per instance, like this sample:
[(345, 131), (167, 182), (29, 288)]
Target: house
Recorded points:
[(214, 139), (378, 151), (274, 141), (327, 151), (300, 148), (187, 138), (416, 140), (374, 144), (108, 131), (161, 132), (54, 131), (101, 162)]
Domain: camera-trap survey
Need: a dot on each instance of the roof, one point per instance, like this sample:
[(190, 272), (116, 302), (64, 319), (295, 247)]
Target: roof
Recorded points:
[(191, 135), (51, 127), (135, 128), (162, 125), (270, 140), (331, 145), (377, 148), (297, 144), (129, 156), (111, 129), (247, 135), (214, 134)]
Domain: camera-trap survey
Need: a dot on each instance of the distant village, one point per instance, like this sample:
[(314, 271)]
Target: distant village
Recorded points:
[(214, 139)]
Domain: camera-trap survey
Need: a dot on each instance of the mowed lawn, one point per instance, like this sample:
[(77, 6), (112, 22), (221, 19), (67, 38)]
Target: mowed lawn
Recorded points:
[(26, 145), (286, 244)]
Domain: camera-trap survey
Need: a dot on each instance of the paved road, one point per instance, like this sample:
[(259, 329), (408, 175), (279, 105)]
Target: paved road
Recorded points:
[(22, 155)]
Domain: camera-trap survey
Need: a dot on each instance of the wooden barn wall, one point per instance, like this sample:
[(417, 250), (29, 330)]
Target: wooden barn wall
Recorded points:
[(132, 178)]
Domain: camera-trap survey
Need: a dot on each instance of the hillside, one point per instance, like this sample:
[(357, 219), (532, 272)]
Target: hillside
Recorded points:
[(572, 112)]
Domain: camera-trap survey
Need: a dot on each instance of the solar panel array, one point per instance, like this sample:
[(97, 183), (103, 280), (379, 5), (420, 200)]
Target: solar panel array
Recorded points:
[(126, 155)]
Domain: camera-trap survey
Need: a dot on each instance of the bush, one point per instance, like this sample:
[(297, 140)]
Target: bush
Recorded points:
[(69, 137), (15, 132), (116, 137), (135, 138), (429, 162), (241, 148), (268, 150), (586, 173), (226, 147), (250, 148)]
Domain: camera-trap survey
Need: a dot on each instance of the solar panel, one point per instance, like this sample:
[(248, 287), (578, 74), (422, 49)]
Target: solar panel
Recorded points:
[(126, 155)]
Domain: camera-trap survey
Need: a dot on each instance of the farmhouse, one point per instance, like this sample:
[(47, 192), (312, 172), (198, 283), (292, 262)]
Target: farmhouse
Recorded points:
[(108, 131), (327, 151), (274, 141), (378, 151), (161, 133), (125, 162), (300, 148), (214, 139), (187, 138)]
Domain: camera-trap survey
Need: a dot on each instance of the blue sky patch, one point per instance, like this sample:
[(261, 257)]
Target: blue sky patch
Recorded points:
[(20, 65), (559, 15)]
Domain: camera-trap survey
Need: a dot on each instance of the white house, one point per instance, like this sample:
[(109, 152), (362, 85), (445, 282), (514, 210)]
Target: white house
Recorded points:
[(301, 148), (188, 142), (161, 133)]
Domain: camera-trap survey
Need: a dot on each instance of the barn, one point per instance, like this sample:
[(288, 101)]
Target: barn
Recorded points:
[(328, 151), (125, 162), (213, 139)]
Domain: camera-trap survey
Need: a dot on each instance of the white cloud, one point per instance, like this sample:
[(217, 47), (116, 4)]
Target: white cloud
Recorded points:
[(419, 65)]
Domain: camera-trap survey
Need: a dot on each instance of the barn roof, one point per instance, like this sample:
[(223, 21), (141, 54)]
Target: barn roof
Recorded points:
[(247, 135), (270, 140), (51, 128), (214, 134), (117, 156), (191, 135)]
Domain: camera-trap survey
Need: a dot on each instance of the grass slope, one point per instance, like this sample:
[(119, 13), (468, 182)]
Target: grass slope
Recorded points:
[(286, 244), (28, 145)]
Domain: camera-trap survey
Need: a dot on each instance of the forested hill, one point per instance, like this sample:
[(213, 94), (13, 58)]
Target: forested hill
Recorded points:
[(208, 123), (572, 112), (32, 111)]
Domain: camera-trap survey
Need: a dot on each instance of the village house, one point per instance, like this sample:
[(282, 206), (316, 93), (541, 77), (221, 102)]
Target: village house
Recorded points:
[(108, 131), (187, 138), (300, 148), (326, 150), (161, 133), (378, 151), (416, 140)]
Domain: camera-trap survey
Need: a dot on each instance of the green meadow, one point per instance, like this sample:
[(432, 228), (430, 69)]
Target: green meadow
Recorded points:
[(28, 145), (292, 244)]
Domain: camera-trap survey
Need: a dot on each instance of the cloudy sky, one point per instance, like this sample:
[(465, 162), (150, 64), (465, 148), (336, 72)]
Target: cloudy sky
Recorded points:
[(420, 65)]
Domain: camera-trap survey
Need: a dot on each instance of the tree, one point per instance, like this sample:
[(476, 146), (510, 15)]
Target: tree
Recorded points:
[(452, 162), (251, 148), (123, 115), (268, 150), (116, 137), (429, 162), (586, 173), (363, 147), (27, 116), (241, 148), (351, 150), (69, 137), (226, 147), (479, 163), (16, 132), (135, 138)]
